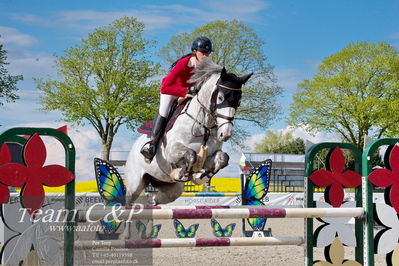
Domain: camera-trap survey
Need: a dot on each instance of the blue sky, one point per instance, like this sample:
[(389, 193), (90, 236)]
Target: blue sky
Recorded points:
[(297, 35)]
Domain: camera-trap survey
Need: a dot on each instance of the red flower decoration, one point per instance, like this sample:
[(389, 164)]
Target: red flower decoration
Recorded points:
[(32, 176), (386, 178), (5, 157), (336, 179)]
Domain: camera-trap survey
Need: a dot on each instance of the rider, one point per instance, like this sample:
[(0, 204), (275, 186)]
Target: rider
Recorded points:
[(175, 85)]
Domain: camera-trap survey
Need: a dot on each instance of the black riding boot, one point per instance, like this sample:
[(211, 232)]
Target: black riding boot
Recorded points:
[(158, 127)]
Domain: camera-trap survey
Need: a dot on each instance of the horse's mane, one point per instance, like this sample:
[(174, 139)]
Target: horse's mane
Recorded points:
[(203, 71)]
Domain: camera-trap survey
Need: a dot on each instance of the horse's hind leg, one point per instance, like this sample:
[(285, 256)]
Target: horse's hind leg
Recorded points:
[(212, 165), (168, 192)]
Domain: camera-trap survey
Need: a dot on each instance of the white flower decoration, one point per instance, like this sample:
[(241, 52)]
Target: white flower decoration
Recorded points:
[(46, 248), (30, 234), (387, 239), (334, 227)]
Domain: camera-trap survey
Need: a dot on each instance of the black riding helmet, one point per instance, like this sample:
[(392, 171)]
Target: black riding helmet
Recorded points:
[(202, 44)]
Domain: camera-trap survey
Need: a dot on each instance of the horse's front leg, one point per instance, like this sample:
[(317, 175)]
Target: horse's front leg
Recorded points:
[(183, 158), (212, 165)]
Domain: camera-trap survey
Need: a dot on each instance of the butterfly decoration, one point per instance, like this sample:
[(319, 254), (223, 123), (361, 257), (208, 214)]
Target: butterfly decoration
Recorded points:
[(145, 232), (109, 182), (218, 231), (256, 189), (110, 226), (111, 188), (182, 232)]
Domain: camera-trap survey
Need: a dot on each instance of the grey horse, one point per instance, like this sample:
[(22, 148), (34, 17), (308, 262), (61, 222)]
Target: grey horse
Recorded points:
[(192, 149)]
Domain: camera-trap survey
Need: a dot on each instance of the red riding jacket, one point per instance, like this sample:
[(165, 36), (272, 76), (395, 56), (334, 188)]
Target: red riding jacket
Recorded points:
[(175, 83)]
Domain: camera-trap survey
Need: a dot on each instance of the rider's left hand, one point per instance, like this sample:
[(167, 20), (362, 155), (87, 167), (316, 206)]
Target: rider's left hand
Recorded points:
[(181, 99)]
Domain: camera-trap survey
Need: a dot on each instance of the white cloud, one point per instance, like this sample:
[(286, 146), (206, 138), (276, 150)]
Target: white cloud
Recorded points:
[(395, 35), (89, 19), (289, 78), (253, 140), (244, 10), (29, 95), (317, 138), (30, 64), (25, 110), (86, 20), (88, 146), (314, 64), (155, 17), (30, 19), (240, 9), (12, 36)]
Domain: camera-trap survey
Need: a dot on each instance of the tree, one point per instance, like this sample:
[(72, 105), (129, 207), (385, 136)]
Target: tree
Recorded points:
[(280, 142), (354, 93), (238, 48), (106, 81), (8, 83)]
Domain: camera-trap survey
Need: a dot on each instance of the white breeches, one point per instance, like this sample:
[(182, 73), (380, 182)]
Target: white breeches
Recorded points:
[(165, 104)]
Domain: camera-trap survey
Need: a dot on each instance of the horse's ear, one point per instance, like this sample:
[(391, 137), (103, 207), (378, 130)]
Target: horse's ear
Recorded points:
[(223, 75), (245, 78)]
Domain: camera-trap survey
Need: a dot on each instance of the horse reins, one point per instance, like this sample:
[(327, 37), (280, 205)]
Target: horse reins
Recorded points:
[(212, 111), (232, 89)]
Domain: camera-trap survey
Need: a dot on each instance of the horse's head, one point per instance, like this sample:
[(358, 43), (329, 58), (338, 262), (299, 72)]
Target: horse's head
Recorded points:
[(219, 95), (225, 100)]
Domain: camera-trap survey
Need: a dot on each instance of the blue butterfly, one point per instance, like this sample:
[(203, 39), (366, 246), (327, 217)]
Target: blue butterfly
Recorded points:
[(181, 232), (111, 188), (145, 233), (109, 182), (256, 189), (111, 226), (218, 231)]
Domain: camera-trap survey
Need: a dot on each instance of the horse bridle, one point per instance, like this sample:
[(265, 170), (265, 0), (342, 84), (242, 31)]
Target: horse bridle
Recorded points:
[(212, 111)]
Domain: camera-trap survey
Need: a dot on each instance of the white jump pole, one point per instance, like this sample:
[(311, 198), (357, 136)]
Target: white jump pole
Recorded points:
[(239, 213), (190, 242)]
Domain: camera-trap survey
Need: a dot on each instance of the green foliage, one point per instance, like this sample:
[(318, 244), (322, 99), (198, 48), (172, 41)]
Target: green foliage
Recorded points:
[(354, 93), (280, 142), (321, 159), (238, 48), (8, 83), (107, 80)]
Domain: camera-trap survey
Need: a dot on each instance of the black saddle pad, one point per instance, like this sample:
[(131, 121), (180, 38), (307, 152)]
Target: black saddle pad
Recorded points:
[(146, 128)]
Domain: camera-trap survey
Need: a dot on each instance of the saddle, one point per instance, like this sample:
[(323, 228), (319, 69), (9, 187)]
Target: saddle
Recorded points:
[(175, 111)]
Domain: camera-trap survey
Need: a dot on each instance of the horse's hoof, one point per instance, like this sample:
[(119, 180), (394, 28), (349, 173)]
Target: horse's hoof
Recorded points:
[(200, 180), (183, 176), (183, 179)]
